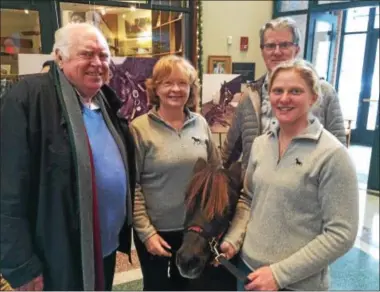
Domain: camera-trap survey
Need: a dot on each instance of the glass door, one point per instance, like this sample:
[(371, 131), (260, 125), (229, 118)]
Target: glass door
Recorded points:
[(321, 48), (359, 73), (373, 99)]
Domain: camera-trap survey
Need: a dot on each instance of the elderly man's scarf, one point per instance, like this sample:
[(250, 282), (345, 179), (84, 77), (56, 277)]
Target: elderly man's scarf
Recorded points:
[(91, 257)]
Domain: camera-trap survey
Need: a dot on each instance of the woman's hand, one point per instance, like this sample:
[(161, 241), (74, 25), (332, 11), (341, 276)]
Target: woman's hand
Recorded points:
[(228, 250), (156, 246), (262, 279)]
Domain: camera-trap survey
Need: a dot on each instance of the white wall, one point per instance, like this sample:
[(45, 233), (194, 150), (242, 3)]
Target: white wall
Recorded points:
[(236, 19)]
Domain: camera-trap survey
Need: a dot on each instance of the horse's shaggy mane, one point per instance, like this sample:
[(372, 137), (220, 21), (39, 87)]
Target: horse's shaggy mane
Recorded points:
[(211, 185)]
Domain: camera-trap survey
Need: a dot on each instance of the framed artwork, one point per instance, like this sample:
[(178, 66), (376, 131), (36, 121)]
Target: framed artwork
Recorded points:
[(77, 17), (5, 69), (219, 65), (140, 27)]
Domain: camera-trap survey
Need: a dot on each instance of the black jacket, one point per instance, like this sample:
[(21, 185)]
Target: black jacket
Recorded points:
[(39, 207)]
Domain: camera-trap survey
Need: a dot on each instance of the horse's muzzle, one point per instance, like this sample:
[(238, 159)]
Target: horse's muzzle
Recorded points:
[(189, 266)]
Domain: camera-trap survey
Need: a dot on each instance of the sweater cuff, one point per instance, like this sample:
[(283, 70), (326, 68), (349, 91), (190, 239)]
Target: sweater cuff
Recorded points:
[(146, 233), (279, 277), (236, 243), (23, 274)]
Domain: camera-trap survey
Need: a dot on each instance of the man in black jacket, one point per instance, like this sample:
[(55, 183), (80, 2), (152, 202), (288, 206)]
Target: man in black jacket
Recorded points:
[(67, 171)]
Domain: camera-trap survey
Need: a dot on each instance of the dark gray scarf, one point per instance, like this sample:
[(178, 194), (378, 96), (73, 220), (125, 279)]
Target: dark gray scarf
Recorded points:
[(79, 144)]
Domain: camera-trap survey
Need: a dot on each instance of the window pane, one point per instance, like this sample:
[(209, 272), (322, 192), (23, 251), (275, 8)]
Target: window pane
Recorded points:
[(321, 47), (351, 74), (374, 99), (376, 24), (20, 31), (357, 19), (301, 21), (174, 3), (291, 5), (128, 1), (131, 31), (331, 1)]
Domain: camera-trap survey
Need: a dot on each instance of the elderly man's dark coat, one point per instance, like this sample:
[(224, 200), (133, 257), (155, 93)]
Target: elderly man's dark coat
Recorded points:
[(39, 205)]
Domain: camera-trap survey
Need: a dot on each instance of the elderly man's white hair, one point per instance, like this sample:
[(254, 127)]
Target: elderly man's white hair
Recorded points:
[(69, 34)]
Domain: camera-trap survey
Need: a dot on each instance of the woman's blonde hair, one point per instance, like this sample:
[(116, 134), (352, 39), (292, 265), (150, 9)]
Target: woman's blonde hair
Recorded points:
[(305, 70), (162, 70)]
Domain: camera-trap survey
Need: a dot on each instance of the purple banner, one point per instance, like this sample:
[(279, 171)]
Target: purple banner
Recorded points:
[(128, 80)]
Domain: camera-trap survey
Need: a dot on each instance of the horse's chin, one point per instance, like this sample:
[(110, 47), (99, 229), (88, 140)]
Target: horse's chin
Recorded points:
[(190, 266), (190, 274)]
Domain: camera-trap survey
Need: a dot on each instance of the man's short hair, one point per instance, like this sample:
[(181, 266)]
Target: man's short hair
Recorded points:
[(281, 23), (65, 35)]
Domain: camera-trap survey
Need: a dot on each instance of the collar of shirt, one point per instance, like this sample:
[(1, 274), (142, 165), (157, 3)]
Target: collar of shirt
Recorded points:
[(93, 105), (153, 113), (313, 131), (265, 86)]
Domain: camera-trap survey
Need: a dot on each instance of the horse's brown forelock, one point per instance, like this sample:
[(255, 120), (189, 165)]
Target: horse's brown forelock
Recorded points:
[(214, 195), (196, 183)]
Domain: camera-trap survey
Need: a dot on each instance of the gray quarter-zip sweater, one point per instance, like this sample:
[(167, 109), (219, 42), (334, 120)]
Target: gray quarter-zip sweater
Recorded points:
[(165, 159), (300, 212)]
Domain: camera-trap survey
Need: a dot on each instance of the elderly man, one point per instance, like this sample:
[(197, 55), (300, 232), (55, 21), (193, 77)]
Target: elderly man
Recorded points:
[(279, 42), (67, 171)]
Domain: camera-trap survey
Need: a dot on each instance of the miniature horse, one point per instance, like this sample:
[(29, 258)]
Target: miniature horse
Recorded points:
[(211, 199)]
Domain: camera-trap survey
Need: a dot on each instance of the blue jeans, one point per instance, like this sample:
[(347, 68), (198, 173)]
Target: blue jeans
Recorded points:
[(246, 270)]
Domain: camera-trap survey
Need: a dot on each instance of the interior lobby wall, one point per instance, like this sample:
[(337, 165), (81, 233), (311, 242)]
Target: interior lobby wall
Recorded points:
[(235, 18)]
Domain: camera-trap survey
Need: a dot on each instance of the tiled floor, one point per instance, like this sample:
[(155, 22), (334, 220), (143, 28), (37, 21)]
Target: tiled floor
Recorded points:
[(368, 233), (361, 156)]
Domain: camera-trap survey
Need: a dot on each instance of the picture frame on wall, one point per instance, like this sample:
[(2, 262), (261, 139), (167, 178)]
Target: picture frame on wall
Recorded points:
[(219, 65), (5, 69)]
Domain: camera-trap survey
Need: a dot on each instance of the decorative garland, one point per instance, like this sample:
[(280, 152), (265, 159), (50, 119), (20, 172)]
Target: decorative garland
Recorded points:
[(200, 43)]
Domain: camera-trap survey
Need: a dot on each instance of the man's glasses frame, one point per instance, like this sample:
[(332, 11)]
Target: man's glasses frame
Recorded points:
[(283, 46)]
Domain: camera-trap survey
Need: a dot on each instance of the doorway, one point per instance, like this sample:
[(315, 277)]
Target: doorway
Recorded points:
[(358, 72)]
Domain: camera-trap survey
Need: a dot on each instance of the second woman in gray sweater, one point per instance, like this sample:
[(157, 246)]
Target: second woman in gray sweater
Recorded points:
[(169, 140), (299, 209)]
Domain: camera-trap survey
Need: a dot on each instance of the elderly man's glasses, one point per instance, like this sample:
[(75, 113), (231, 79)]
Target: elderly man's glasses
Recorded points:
[(283, 46)]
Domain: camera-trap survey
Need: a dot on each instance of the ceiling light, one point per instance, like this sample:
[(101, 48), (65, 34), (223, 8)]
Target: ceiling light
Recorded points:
[(133, 8), (26, 11)]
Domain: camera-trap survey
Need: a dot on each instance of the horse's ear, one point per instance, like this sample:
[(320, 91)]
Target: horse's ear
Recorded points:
[(199, 165), (235, 172)]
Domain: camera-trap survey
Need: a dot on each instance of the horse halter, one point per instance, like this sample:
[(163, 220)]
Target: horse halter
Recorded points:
[(206, 231), (213, 242)]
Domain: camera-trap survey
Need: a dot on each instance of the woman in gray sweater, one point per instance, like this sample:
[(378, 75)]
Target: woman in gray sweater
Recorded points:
[(169, 140), (299, 208)]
